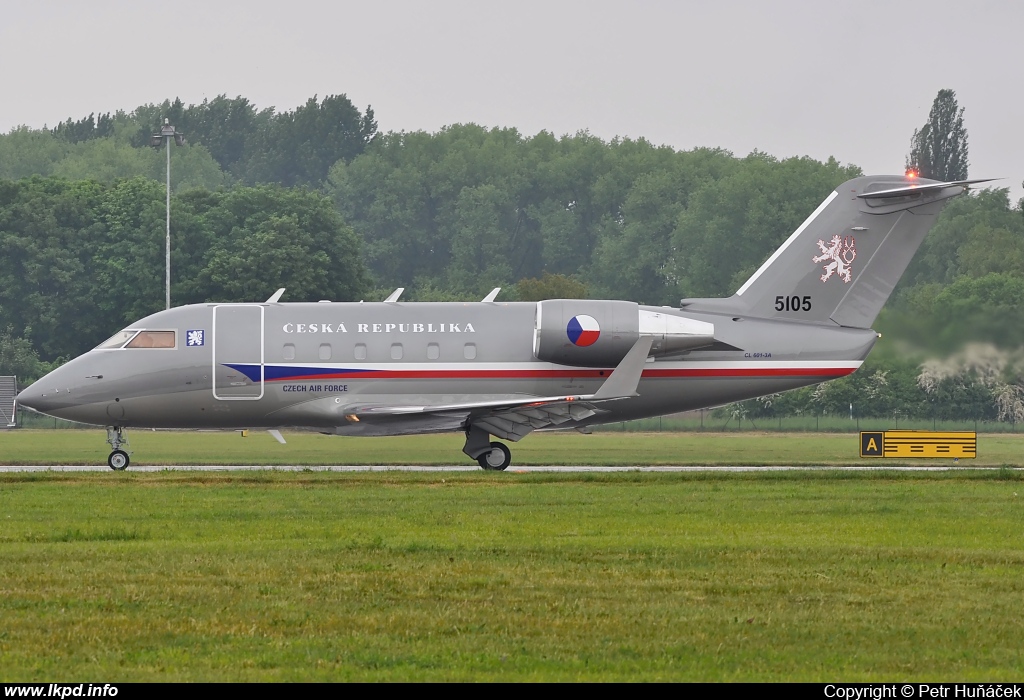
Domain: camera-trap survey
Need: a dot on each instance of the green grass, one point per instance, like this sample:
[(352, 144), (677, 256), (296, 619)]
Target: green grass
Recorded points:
[(63, 447), (480, 576)]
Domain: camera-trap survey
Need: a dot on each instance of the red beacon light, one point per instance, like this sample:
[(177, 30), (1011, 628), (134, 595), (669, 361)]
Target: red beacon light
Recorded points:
[(911, 173)]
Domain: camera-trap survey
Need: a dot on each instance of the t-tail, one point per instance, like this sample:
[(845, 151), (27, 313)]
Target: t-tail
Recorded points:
[(842, 263)]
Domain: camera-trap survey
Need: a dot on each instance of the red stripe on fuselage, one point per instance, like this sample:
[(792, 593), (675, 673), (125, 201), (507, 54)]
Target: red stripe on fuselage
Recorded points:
[(753, 372), (574, 374)]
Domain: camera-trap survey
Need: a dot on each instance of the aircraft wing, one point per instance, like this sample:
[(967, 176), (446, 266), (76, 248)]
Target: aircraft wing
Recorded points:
[(510, 419), (514, 418)]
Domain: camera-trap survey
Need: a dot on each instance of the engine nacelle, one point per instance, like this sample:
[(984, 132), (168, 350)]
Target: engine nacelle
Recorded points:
[(585, 332), (589, 333)]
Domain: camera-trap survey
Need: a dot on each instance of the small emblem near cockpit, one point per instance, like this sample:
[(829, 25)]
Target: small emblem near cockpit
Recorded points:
[(195, 339)]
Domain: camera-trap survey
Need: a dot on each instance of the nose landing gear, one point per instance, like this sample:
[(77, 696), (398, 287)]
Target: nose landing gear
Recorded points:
[(118, 459)]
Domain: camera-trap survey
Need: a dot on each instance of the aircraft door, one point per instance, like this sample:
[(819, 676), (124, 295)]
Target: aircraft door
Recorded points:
[(238, 352)]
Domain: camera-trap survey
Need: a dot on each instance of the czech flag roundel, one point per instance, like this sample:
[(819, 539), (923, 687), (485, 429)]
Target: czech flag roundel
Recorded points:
[(583, 330)]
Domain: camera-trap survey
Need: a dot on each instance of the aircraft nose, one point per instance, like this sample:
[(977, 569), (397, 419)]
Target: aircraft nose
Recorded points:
[(45, 396), (31, 397)]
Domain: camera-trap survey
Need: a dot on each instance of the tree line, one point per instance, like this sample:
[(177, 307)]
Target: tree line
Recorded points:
[(250, 145)]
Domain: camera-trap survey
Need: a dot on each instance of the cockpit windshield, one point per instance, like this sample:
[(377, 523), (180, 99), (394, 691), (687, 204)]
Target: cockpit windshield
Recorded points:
[(152, 339), (117, 340), (138, 339)]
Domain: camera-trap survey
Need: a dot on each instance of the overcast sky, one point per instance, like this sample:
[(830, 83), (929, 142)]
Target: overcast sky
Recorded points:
[(851, 80)]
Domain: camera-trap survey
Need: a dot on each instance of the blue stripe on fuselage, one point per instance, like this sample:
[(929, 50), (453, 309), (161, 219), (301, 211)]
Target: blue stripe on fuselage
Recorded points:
[(275, 373)]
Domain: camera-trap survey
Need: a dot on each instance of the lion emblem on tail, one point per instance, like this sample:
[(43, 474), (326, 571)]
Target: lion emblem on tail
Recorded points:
[(839, 254)]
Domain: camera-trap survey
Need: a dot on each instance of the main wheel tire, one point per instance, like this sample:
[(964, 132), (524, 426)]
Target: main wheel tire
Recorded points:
[(495, 459), (118, 460)]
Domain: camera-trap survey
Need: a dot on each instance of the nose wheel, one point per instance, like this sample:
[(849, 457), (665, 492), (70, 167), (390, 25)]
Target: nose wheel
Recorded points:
[(118, 459)]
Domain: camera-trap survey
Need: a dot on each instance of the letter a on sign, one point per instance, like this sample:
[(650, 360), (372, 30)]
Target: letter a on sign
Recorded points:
[(871, 444)]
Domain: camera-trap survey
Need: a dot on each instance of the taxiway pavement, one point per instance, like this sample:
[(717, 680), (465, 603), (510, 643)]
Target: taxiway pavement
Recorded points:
[(471, 468)]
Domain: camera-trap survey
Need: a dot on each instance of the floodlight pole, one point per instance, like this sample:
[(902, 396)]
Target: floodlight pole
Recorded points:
[(167, 266), (167, 132)]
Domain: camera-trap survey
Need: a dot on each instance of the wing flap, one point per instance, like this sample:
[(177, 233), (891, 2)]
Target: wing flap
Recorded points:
[(525, 403)]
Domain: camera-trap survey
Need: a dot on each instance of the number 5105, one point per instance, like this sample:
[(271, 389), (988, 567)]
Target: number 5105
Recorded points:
[(793, 303)]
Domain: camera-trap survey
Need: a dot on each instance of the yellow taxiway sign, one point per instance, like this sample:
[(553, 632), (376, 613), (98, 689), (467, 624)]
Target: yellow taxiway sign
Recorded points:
[(919, 443)]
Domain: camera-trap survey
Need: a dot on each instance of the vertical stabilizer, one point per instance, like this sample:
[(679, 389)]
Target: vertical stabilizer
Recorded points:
[(843, 262)]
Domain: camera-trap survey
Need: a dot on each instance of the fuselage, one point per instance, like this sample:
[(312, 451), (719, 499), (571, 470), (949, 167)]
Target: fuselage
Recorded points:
[(306, 365)]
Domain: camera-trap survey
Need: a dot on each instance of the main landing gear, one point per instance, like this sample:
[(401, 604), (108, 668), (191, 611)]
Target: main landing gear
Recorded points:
[(492, 456), (497, 458), (118, 459)]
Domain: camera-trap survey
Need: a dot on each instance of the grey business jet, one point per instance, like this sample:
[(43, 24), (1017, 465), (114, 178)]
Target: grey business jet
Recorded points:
[(496, 369)]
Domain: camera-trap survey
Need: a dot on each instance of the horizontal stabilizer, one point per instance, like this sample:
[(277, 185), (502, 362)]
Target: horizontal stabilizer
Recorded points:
[(924, 187)]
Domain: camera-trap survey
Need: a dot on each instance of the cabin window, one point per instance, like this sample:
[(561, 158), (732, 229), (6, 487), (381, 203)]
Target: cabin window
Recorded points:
[(396, 351), (469, 352), (152, 339), (433, 351), (117, 340), (289, 352), (360, 352), (325, 351)]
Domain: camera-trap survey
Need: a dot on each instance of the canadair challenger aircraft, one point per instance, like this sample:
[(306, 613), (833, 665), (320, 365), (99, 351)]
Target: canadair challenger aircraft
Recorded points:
[(501, 369)]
